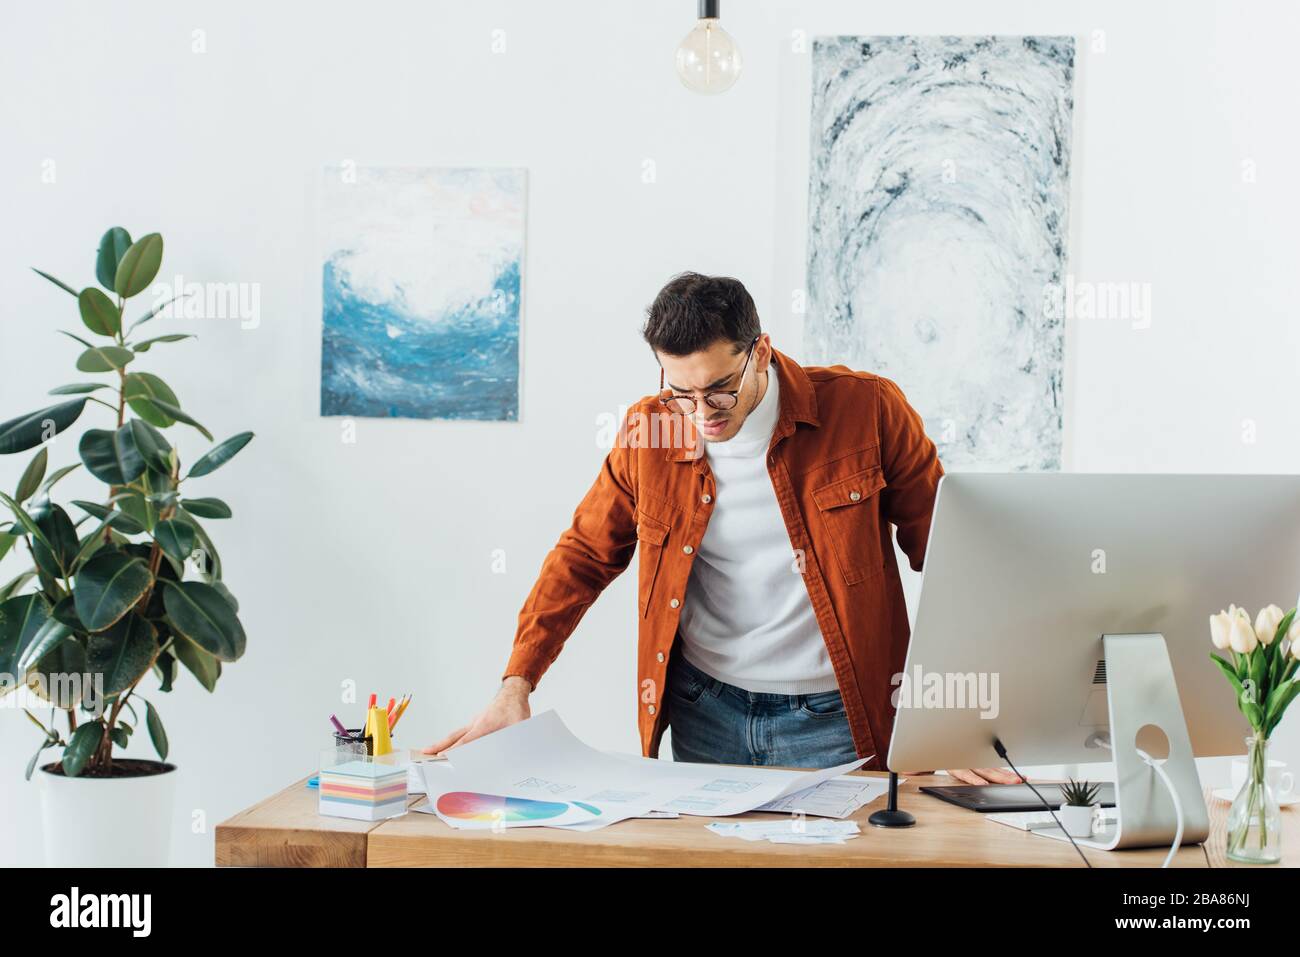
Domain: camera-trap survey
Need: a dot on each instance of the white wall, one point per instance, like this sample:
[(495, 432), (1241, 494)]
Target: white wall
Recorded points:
[(371, 562)]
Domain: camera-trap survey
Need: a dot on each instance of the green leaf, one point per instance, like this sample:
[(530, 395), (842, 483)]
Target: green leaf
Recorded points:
[(227, 594), (220, 455), (152, 312), (34, 428), (58, 282), (139, 266), (107, 586), (147, 344), (157, 734), (31, 765), (60, 473), (198, 662), (30, 482), (122, 654), (104, 359), (169, 409), (57, 549), (21, 620), (46, 638), (112, 247), (1282, 628), (120, 520), (49, 677), (1254, 714), (112, 457), (7, 542), (1257, 664), (138, 507), (1290, 689), (28, 523), (98, 313), (79, 388), (212, 559), (143, 391), (82, 745), (66, 612), (175, 537), (1230, 673), (153, 447), (15, 583), (206, 507), (90, 545), (200, 613), (165, 667)]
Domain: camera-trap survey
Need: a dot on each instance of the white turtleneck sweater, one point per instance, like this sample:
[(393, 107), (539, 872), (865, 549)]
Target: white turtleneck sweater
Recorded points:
[(747, 619)]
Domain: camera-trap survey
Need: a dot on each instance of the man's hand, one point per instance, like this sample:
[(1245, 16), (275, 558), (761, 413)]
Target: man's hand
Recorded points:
[(986, 776), (510, 706)]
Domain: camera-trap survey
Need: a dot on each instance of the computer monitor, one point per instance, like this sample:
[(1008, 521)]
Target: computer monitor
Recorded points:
[(1024, 575)]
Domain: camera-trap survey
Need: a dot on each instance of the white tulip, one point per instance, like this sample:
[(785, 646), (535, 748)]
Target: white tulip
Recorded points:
[(1220, 626), (1266, 623), (1293, 636), (1242, 637)]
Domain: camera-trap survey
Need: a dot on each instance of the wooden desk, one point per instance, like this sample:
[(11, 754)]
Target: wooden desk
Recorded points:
[(286, 831)]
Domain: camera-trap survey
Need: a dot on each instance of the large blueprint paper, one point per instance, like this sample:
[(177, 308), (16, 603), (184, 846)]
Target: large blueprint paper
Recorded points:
[(541, 759)]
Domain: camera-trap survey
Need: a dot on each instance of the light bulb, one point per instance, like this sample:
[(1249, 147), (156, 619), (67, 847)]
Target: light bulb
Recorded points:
[(708, 60)]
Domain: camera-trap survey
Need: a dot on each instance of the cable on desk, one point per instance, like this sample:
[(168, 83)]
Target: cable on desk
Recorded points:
[(1002, 753)]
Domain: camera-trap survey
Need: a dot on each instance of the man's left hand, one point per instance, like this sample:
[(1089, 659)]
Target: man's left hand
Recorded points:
[(986, 776)]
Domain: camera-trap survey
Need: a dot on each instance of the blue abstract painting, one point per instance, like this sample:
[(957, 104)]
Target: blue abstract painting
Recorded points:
[(421, 295), (938, 211)]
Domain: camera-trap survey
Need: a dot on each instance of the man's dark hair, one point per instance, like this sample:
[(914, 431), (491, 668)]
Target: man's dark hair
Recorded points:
[(693, 312)]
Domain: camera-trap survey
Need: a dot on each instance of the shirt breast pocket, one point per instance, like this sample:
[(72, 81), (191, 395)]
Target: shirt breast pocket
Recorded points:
[(651, 534), (850, 516)]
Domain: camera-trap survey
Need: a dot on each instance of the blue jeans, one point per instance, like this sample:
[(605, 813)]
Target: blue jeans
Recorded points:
[(716, 723)]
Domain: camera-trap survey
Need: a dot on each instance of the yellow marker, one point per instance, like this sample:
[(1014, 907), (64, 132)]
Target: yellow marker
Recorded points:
[(378, 725)]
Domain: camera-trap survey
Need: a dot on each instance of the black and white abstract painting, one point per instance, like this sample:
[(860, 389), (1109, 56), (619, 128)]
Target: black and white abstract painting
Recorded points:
[(938, 201)]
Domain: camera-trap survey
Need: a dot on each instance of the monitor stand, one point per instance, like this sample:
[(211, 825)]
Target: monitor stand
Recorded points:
[(1141, 691)]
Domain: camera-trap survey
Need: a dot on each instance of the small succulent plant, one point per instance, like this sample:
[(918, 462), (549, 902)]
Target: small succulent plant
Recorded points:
[(1080, 793)]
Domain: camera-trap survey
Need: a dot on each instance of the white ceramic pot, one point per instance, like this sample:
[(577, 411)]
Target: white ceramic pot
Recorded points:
[(1078, 821), (108, 822)]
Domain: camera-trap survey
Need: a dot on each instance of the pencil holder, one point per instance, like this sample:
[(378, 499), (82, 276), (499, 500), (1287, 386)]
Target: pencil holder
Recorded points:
[(353, 742), (361, 786)]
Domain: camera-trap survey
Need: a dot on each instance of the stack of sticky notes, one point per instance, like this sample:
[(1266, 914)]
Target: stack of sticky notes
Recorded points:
[(363, 790)]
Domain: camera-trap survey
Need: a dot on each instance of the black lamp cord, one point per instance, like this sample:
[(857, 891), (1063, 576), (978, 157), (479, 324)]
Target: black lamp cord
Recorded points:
[(1002, 753)]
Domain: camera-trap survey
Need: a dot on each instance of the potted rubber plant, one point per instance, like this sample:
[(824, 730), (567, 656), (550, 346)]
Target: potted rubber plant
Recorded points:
[(120, 587)]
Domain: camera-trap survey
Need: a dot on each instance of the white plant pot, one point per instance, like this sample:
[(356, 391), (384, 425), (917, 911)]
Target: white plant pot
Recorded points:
[(108, 822), (1078, 821)]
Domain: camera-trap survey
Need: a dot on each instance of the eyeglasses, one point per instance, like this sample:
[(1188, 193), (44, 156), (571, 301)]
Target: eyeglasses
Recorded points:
[(722, 401)]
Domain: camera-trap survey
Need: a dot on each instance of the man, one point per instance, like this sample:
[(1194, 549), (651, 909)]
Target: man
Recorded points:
[(760, 495)]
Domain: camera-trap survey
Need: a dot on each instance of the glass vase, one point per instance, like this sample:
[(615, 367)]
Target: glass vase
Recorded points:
[(1255, 820)]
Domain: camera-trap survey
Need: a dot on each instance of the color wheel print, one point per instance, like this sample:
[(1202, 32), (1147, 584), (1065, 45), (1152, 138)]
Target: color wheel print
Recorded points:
[(473, 806)]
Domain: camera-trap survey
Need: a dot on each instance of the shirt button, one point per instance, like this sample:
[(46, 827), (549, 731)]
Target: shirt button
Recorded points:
[(651, 709), (706, 499), (674, 603), (659, 657), (687, 549), (854, 496)]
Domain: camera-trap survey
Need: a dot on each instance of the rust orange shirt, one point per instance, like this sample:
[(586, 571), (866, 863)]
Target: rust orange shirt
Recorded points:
[(849, 458)]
